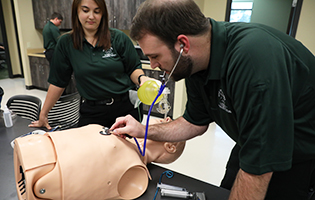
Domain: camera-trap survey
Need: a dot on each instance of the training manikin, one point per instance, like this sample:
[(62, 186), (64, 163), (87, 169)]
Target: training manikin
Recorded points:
[(81, 163)]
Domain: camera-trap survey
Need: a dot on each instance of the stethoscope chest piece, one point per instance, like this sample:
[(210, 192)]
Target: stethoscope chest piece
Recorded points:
[(105, 131)]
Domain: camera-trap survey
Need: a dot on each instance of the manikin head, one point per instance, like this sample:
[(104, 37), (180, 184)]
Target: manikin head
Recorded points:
[(161, 152)]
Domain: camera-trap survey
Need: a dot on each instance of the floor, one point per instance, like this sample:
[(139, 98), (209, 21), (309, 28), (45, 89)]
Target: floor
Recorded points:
[(204, 157)]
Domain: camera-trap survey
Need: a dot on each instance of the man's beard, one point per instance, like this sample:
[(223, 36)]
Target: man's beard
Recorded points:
[(183, 68)]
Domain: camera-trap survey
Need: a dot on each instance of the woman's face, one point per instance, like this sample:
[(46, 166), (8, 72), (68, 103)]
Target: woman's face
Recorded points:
[(90, 15)]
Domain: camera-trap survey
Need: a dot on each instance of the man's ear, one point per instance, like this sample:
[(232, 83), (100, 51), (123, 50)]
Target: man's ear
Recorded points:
[(184, 41), (170, 147)]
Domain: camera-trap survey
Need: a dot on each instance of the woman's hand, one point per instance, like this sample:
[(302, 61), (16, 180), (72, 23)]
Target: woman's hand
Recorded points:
[(144, 79), (42, 122)]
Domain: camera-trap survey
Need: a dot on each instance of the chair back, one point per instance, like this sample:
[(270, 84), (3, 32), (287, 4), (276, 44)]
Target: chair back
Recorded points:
[(1, 95), (65, 112), (26, 106)]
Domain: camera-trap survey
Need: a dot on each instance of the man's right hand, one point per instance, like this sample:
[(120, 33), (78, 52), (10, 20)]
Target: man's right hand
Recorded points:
[(128, 125)]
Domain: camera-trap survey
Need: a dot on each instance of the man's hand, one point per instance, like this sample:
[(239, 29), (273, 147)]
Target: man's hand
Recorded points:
[(128, 125), (173, 131), (249, 186)]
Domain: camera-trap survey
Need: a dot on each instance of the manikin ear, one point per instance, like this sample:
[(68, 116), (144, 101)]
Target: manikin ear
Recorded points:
[(170, 147), (168, 119)]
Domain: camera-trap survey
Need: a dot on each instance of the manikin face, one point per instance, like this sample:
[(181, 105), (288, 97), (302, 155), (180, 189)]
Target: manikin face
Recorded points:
[(162, 57), (89, 15)]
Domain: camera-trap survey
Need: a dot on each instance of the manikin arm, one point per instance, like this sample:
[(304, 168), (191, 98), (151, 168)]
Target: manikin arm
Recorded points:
[(175, 131), (249, 186), (52, 97)]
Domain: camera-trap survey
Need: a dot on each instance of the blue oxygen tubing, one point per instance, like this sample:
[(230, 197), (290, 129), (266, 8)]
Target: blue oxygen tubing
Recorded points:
[(168, 174)]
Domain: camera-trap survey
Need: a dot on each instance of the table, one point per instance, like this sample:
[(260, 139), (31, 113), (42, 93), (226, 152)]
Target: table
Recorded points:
[(192, 185), (7, 181)]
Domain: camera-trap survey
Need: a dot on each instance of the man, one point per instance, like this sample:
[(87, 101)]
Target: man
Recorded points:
[(255, 82), (51, 33)]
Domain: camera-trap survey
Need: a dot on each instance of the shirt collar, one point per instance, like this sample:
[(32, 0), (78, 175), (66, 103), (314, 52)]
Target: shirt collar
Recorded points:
[(86, 42), (218, 48)]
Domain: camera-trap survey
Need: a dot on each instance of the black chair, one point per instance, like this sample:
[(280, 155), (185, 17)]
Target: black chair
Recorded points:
[(312, 189), (65, 112), (26, 106), (2, 58)]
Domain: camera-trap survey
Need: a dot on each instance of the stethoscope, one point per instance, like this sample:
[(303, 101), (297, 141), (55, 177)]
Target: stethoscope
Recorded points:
[(157, 96), (164, 74)]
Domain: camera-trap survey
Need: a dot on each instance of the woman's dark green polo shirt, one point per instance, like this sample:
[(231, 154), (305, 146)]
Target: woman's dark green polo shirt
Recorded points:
[(99, 73), (260, 89)]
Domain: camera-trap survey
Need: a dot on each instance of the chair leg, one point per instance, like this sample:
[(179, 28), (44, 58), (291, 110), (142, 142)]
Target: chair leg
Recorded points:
[(311, 193)]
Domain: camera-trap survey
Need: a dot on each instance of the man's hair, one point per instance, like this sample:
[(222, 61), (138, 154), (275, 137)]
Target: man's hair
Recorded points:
[(58, 15), (102, 34), (167, 19)]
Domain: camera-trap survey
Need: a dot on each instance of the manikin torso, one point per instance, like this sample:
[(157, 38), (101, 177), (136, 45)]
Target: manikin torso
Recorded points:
[(79, 163)]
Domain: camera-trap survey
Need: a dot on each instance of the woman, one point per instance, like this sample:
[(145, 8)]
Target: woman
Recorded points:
[(105, 65)]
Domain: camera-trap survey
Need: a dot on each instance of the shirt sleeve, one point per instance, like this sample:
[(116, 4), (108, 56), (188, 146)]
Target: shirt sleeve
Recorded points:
[(61, 68), (126, 51), (55, 33)]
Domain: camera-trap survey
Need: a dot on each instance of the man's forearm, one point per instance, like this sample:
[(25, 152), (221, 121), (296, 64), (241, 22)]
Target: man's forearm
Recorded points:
[(175, 131), (250, 187)]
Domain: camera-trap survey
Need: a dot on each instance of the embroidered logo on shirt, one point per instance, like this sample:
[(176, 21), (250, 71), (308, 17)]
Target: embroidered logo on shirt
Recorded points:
[(109, 53), (222, 103)]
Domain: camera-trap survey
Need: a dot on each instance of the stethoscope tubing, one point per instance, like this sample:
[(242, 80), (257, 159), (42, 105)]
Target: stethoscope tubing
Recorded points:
[(157, 96)]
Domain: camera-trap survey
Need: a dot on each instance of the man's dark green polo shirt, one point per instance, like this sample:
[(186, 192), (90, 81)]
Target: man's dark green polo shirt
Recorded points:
[(99, 73), (50, 34), (260, 89)]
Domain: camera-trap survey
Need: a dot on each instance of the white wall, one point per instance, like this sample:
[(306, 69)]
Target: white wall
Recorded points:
[(306, 28), (10, 30), (215, 9), (28, 36)]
